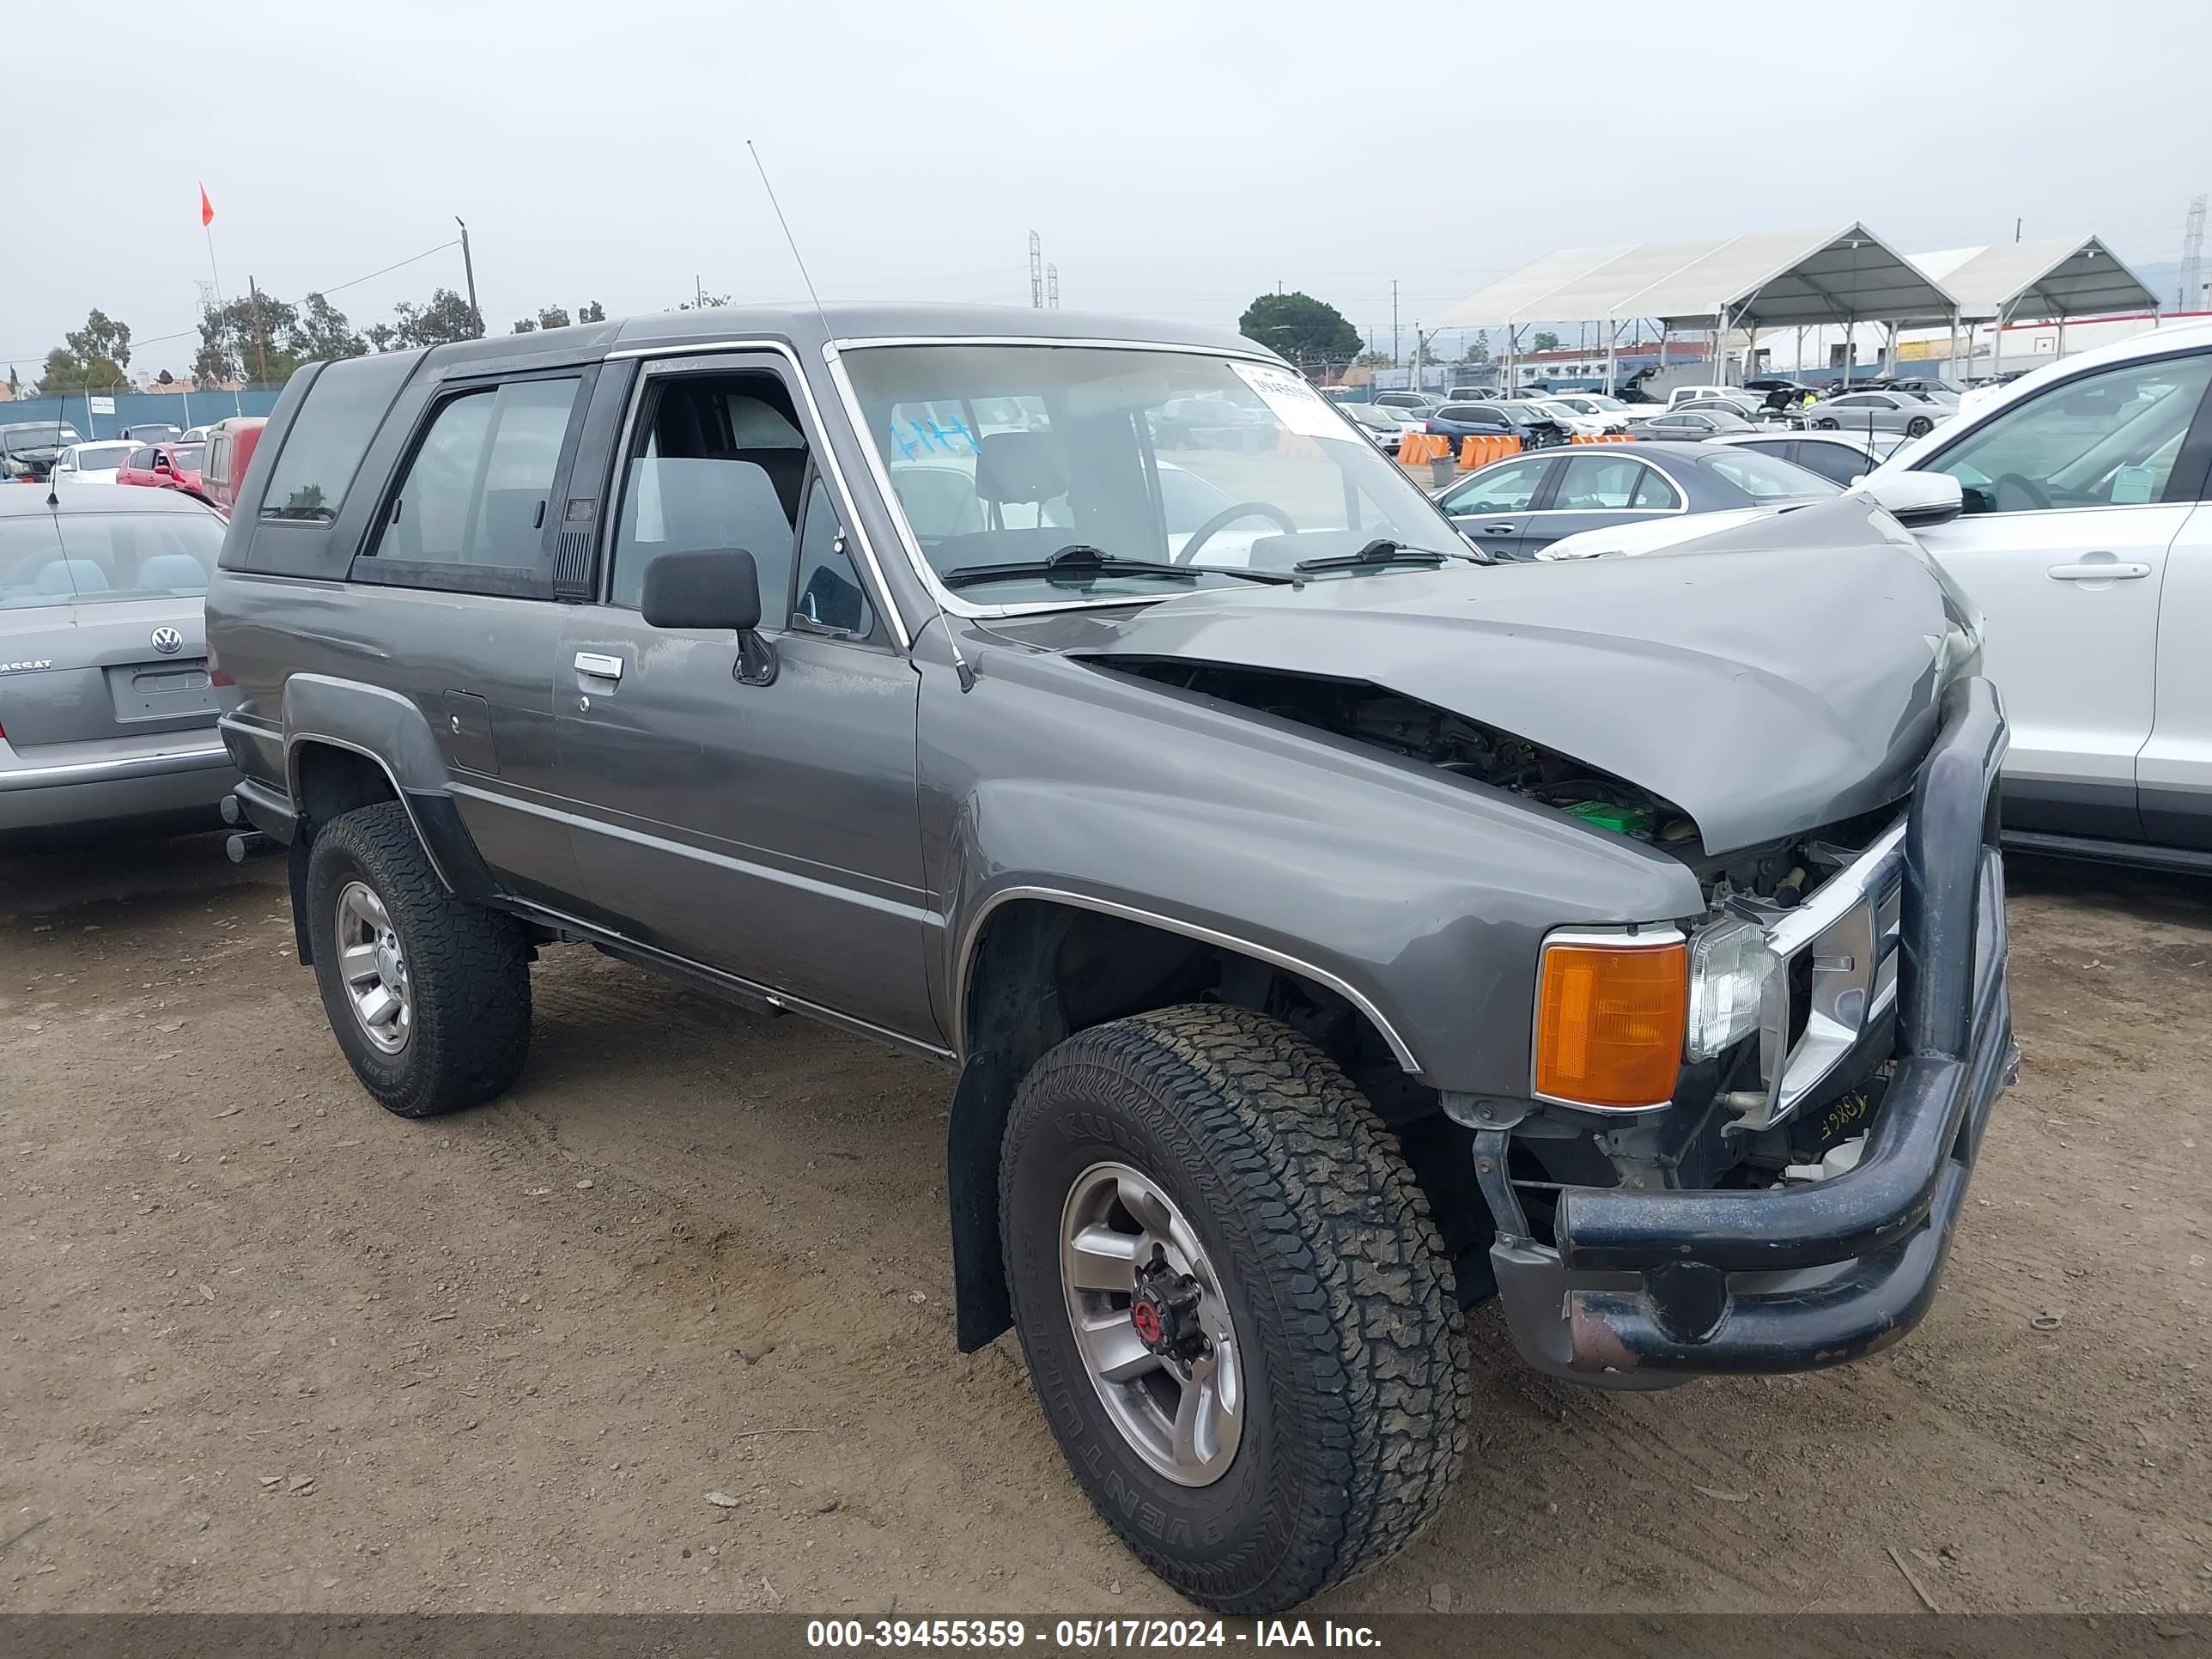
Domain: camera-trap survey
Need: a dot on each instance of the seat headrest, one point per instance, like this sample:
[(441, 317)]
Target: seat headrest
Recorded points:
[(179, 572), (1019, 466), (71, 576)]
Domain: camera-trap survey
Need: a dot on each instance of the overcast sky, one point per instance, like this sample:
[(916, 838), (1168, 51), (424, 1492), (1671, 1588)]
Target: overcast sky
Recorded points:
[(1176, 158)]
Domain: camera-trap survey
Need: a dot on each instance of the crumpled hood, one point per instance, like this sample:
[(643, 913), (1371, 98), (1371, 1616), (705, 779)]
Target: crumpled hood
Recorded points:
[(1767, 680)]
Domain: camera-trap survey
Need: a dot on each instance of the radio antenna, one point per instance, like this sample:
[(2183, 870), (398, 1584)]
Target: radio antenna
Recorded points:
[(797, 258), (966, 674)]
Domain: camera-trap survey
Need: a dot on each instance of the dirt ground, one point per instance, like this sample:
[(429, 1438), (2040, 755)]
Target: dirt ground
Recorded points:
[(263, 1346)]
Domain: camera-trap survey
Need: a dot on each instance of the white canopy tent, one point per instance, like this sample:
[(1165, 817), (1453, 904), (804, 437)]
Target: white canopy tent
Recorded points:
[(2046, 281), (1774, 279)]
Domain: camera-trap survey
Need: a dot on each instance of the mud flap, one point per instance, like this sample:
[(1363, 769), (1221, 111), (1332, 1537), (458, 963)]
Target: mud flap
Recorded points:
[(975, 1129)]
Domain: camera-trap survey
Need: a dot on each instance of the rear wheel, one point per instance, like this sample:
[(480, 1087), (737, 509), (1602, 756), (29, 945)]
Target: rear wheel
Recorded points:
[(1825, 424), (1918, 427), (1235, 1309), (428, 996)]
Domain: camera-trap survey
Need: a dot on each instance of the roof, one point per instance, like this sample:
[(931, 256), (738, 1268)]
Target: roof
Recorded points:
[(1773, 279), (87, 501), (2063, 276), (806, 326)]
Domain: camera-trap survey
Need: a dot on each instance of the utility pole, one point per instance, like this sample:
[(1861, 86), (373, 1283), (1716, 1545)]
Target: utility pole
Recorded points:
[(1036, 272), (260, 331), (1394, 358), (469, 268), (2016, 230)]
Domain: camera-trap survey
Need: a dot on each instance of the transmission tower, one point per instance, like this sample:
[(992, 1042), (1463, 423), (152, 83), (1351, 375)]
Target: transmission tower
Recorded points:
[(1036, 272), (1052, 288), (2193, 258)]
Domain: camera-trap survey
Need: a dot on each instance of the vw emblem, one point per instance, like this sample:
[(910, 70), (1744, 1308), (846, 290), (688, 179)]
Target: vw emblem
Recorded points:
[(168, 642)]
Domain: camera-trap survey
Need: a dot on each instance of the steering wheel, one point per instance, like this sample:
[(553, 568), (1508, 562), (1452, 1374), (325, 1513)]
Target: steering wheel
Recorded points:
[(2020, 486), (1227, 516)]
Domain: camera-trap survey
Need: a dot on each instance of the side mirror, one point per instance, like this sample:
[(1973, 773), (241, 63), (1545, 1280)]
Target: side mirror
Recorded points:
[(1918, 499), (717, 589)]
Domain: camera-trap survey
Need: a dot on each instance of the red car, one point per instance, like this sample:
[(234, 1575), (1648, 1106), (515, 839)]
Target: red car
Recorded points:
[(164, 466), (230, 446)]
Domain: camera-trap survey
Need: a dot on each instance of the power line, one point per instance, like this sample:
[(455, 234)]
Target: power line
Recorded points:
[(187, 333)]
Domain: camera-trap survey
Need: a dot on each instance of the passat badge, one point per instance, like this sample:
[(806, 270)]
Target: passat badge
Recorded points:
[(168, 642)]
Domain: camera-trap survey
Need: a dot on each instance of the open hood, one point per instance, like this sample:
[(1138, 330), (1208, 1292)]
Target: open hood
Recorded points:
[(1768, 679)]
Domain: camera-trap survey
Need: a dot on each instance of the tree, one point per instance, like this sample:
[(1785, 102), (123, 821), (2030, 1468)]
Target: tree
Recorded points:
[(253, 338), (704, 301), (594, 312), (321, 333), (1302, 328), (526, 325), (65, 372), (1371, 360), (15, 382), (101, 337), (1546, 341), (445, 317)]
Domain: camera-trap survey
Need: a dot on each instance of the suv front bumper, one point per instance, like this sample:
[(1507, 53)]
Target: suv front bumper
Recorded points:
[(1645, 1289)]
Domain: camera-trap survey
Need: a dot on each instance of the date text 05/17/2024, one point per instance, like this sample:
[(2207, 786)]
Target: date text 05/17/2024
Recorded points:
[(1084, 1635)]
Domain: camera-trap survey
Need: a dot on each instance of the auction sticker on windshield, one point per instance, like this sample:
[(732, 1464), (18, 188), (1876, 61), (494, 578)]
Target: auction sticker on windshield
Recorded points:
[(1295, 404)]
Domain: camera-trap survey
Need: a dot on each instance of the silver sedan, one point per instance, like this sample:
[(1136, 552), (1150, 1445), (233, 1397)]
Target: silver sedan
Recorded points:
[(1901, 412)]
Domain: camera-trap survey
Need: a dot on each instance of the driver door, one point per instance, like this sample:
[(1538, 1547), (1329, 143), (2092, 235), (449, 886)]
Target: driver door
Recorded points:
[(2074, 499)]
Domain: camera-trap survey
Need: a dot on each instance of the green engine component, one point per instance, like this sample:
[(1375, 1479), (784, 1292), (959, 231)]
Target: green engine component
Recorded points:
[(1606, 815)]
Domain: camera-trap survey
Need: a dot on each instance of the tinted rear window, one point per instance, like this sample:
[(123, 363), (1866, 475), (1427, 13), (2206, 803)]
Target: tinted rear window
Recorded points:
[(91, 558), (330, 436)]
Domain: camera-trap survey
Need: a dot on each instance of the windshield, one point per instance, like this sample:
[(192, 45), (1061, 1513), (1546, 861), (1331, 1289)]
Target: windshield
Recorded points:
[(1766, 478), (99, 457), (92, 558), (44, 436), (187, 454), (1007, 454)]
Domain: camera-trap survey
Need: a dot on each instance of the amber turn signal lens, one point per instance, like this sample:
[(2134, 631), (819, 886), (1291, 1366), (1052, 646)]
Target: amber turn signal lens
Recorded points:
[(1609, 1022)]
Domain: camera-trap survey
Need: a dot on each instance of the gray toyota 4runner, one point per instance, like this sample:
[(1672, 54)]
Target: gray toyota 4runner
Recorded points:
[(1327, 929)]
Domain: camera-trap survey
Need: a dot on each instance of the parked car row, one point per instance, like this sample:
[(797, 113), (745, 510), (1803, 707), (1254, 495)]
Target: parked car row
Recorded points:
[(208, 462)]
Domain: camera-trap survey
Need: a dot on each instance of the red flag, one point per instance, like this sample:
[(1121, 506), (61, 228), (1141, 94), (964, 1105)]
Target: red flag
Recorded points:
[(207, 209)]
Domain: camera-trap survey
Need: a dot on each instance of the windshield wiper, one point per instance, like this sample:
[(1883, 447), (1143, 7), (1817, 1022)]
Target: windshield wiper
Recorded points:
[(1382, 552), (1080, 561)]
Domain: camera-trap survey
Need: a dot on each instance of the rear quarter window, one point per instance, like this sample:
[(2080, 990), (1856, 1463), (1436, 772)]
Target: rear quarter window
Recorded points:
[(330, 436)]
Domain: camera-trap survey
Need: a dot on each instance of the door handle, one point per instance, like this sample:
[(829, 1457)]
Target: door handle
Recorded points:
[(2107, 570), (1500, 529), (598, 666)]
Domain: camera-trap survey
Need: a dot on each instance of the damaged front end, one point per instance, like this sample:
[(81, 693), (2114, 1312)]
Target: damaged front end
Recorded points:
[(1789, 1206)]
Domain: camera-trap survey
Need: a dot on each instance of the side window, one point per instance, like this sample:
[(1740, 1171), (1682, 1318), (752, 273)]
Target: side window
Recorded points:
[(1597, 483), (2106, 440), (1837, 463), (142, 460), (476, 492), (716, 463), (329, 434), (830, 598), (1508, 488), (1653, 493)]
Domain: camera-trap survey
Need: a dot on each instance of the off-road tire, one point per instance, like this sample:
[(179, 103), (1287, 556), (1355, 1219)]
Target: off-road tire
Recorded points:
[(469, 968), (1354, 1354)]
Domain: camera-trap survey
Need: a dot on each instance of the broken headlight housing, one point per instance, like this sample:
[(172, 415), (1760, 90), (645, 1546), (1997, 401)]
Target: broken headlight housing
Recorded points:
[(1732, 973)]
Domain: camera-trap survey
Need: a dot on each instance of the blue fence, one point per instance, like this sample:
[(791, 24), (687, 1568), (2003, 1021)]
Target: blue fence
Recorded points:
[(179, 409)]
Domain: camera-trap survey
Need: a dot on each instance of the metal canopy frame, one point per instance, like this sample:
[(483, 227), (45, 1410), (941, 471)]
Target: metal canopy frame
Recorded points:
[(1760, 280), (2046, 281)]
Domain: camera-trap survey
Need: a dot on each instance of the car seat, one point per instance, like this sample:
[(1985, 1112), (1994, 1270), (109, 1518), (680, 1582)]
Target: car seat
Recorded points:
[(179, 573)]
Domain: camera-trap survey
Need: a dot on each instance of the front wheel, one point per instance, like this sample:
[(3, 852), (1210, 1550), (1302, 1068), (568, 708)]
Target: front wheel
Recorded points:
[(1825, 424), (1235, 1309), (1918, 427)]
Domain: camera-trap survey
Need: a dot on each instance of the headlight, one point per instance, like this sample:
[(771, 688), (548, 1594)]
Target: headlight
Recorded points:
[(1731, 971)]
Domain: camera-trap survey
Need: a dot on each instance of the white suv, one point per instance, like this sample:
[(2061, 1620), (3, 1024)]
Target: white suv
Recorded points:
[(2087, 541)]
